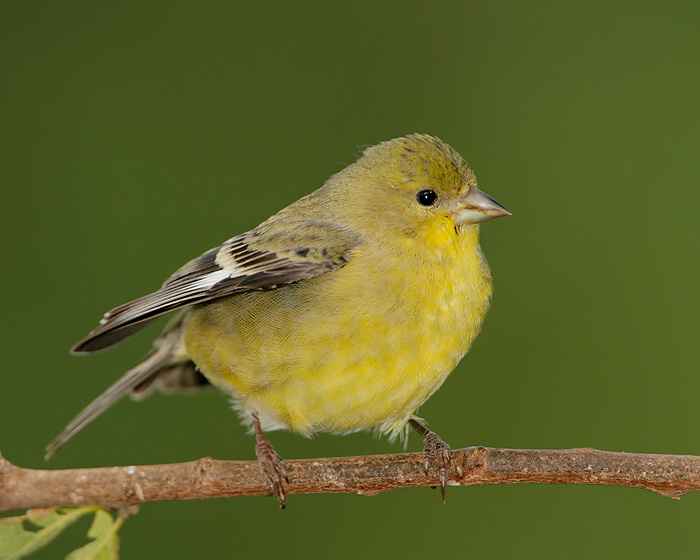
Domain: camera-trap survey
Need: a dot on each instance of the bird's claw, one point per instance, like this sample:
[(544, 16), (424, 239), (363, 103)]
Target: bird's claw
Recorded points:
[(272, 465), (273, 469), (436, 456)]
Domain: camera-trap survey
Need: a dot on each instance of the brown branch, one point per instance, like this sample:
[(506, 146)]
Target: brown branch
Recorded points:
[(668, 475)]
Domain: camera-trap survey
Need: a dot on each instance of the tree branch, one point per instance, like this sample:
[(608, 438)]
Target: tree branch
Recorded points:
[(118, 487)]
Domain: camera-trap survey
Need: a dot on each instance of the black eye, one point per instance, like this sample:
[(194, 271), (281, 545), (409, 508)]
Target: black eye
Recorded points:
[(426, 197)]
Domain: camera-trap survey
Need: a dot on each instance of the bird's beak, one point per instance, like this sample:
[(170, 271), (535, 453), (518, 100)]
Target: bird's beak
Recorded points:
[(477, 207)]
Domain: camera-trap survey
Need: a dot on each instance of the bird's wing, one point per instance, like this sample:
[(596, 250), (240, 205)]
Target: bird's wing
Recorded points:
[(269, 256)]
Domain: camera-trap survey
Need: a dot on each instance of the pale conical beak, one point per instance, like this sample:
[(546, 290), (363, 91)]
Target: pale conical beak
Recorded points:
[(478, 207)]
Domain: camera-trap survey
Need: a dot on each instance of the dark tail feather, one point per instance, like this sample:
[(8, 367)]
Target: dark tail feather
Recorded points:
[(161, 361), (179, 378)]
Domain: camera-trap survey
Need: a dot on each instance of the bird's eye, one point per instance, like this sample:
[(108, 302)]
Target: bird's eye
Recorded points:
[(426, 197)]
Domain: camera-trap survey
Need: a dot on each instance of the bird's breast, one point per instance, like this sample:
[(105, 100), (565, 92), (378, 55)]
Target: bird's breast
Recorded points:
[(360, 347)]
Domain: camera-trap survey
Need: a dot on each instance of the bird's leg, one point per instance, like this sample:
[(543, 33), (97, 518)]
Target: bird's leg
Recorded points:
[(436, 453), (271, 464)]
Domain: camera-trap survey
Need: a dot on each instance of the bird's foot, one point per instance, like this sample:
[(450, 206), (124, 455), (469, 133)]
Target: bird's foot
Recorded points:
[(436, 454), (272, 466), (273, 469)]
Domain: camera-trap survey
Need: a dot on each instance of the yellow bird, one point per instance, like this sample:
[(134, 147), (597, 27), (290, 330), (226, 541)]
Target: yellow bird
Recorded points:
[(344, 311)]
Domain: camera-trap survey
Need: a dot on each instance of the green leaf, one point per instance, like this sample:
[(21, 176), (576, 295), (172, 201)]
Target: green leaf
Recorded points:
[(17, 541), (105, 545), (13, 536), (43, 517), (102, 523)]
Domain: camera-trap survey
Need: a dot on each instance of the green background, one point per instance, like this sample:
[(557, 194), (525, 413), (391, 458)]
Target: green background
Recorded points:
[(137, 135)]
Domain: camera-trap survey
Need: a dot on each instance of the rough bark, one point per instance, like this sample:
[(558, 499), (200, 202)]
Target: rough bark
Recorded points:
[(668, 475)]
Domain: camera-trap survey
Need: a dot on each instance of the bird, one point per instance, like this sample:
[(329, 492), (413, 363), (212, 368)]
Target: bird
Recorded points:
[(343, 312)]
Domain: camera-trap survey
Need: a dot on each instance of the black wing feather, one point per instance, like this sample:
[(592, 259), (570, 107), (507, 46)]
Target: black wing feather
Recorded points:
[(241, 264)]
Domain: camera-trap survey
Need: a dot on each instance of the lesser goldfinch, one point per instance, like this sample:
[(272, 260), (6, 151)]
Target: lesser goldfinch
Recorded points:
[(344, 311)]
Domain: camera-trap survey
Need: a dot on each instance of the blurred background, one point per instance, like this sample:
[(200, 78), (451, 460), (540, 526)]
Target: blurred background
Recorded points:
[(137, 135)]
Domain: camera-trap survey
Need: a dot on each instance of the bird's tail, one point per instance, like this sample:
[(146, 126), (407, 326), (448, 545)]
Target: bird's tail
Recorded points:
[(166, 367)]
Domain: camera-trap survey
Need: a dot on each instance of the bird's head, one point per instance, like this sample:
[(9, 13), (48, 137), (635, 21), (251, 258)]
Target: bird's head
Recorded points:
[(418, 178)]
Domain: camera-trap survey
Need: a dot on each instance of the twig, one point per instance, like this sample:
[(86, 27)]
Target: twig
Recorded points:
[(118, 487)]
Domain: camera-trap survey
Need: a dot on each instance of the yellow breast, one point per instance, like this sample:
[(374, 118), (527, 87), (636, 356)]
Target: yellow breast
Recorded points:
[(360, 347)]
